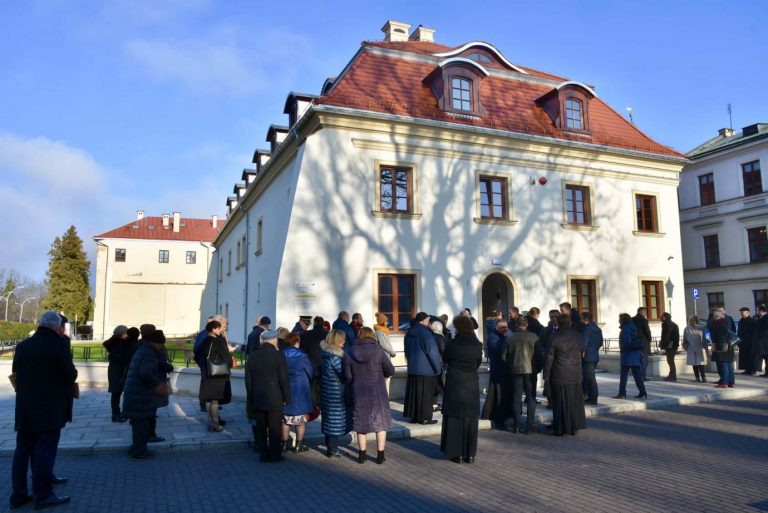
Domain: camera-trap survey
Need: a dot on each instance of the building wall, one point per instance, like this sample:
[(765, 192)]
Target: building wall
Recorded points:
[(143, 290), (730, 217)]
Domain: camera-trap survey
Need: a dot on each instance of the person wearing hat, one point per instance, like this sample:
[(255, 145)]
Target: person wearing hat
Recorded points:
[(747, 356), (118, 348), (146, 388), (268, 390), (424, 366), (215, 390)]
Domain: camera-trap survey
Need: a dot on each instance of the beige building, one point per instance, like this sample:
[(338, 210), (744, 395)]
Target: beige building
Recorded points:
[(153, 270)]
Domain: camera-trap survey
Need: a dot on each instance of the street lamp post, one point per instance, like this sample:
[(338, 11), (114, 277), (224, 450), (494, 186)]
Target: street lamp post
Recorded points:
[(21, 312), (7, 298)]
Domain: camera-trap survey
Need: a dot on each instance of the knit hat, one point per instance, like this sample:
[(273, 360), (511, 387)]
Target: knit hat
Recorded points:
[(119, 331), (269, 335)]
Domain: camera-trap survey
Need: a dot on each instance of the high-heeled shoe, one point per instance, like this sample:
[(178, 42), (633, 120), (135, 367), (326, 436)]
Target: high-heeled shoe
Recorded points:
[(644, 395)]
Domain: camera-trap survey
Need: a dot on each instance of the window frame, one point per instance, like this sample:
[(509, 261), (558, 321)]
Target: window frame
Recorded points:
[(229, 262), (645, 287), (408, 189), (594, 294), (259, 236), (163, 253), (575, 101), (763, 293), (568, 94), (753, 185), (707, 195), (719, 299), (414, 213), (193, 260), (469, 90), (415, 297), (656, 218), (752, 251), (486, 182), (508, 218), (586, 191), (461, 71), (711, 252), (120, 254)]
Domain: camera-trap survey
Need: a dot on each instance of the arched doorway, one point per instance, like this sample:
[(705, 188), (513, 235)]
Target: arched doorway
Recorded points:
[(497, 293)]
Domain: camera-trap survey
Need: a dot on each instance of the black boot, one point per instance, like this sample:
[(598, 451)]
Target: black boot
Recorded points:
[(362, 456), (285, 446), (380, 457)]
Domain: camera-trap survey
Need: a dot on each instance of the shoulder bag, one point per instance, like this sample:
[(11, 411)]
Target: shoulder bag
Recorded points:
[(216, 368)]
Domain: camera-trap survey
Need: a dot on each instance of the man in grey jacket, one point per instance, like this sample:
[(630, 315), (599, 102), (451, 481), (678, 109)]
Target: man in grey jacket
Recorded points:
[(521, 353)]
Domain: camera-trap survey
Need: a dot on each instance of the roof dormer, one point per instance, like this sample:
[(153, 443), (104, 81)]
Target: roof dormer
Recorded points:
[(275, 135), (260, 158), (484, 54), (568, 106), (456, 85), (296, 105)]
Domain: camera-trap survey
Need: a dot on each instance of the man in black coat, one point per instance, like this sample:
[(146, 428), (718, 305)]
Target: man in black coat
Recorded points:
[(644, 332), (670, 341), (254, 337), (45, 377), (761, 339), (310, 344), (268, 390), (547, 337), (567, 309), (747, 357)]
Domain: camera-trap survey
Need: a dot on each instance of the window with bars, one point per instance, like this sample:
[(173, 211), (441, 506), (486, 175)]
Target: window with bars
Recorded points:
[(461, 94), (163, 256), (493, 197), (397, 299), (395, 189), (119, 254), (711, 251), (761, 297), (757, 239), (645, 205), (577, 207), (753, 182), (583, 296), (653, 299), (707, 189), (573, 114), (715, 299), (191, 257)]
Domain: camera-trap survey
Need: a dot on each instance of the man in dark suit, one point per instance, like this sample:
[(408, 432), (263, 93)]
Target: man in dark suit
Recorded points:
[(45, 377), (644, 332), (670, 341), (268, 389), (747, 357)]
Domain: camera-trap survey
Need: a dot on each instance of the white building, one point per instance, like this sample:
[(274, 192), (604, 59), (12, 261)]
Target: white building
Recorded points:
[(429, 177), (153, 270), (724, 214)]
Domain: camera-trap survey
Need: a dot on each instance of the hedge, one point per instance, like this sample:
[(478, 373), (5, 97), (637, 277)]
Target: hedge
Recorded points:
[(15, 330)]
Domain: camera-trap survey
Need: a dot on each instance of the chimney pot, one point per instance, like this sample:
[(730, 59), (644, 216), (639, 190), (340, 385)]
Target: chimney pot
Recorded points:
[(139, 215), (396, 30), (166, 220), (176, 221), (215, 221), (726, 132), (423, 34)]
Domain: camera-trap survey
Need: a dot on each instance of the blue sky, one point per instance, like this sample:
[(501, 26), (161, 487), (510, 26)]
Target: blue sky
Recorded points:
[(107, 107)]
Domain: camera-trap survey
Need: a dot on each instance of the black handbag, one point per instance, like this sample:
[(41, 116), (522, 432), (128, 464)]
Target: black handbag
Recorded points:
[(216, 368)]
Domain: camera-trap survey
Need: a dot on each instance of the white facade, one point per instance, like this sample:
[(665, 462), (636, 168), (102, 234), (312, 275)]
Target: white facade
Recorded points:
[(317, 204), (143, 289), (736, 280)]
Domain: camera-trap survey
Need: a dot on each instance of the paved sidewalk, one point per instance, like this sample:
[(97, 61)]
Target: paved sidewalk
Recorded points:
[(183, 425)]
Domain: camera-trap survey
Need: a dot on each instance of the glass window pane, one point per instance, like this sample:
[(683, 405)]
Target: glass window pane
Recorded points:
[(385, 303), (404, 284), (385, 285)]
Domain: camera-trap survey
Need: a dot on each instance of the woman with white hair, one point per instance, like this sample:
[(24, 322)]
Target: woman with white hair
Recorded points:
[(695, 343)]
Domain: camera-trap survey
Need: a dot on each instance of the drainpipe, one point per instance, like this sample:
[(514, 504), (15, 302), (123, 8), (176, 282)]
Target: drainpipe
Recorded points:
[(106, 274), (247, 266)]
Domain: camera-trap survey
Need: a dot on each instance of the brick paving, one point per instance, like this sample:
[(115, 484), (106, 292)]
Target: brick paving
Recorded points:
[(708, 457)]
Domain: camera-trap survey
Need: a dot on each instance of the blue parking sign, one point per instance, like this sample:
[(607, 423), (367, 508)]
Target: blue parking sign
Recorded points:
[(695, 293)]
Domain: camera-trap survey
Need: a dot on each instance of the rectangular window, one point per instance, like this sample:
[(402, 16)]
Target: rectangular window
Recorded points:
[(229, 262), (461, 94), (653, 299), (243, 256), (707, 189), (221, 272), (237, 255), (573, 118), (395, 189), (584, 297), (577, 205), (753, 183), (119, 255), (163, 256), (758, 244), (493, 197), (646, 213), (191, 257), (711, 251), (397, 299), (259, 235), (715, 299), (761, 297)]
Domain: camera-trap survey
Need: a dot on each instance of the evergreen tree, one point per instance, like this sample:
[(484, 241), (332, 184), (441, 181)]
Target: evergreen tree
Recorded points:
[(68, 278)]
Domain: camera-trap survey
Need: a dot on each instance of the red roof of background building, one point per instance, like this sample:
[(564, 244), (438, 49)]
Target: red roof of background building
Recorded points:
[(394, 85), (189, 229)]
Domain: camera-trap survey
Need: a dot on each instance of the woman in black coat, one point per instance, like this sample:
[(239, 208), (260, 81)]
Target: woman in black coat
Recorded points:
[(215, 390), (562, 373), (119, 352), (461, 399)]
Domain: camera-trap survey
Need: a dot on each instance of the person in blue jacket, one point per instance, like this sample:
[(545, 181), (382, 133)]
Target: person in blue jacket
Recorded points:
[(592, 337), (424, 366), (300, 372), (342, 323), (631, 354), (496, 406)]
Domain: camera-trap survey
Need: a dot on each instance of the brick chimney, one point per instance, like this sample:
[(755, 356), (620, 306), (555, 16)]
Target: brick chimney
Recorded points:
[(139, 215), (166, 220), (726, 132), (215, 221), (176, 221), (423, 34), (396, 31)]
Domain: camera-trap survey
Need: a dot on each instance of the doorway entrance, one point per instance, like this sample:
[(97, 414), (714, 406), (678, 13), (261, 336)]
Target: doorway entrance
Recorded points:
[(497, 294)]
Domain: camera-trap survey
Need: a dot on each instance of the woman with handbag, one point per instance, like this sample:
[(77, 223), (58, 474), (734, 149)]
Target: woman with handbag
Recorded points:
[(722, 350), (695, 345), (214, 386), (631, 356), (296, 412)]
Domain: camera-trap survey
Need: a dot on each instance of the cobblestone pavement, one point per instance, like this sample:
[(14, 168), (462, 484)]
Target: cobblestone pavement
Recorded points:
[(183, 425), (704, 457)]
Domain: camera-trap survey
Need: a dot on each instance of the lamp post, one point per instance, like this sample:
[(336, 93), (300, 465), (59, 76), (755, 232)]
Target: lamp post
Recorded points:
[(21, 312), (7, 298)]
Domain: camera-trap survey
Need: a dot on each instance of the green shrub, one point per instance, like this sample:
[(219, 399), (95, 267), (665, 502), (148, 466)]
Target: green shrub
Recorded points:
[(15, 330)]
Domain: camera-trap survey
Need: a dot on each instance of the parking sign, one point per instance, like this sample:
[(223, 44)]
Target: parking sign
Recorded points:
[(695, 293)]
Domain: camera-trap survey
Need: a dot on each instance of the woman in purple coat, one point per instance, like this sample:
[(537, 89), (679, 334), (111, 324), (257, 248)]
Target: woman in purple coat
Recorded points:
[(367, 368)]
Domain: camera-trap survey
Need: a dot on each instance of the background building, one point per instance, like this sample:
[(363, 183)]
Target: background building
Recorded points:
[(153, 270), (430, 177), (724, 214)]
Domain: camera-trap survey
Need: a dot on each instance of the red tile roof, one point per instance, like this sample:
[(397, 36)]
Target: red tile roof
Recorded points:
[(189, 229), (391, 84)]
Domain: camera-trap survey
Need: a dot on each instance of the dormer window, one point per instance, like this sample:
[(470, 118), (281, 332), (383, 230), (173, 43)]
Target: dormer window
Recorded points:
[(480, 57), (573, 114), (461, 94)]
